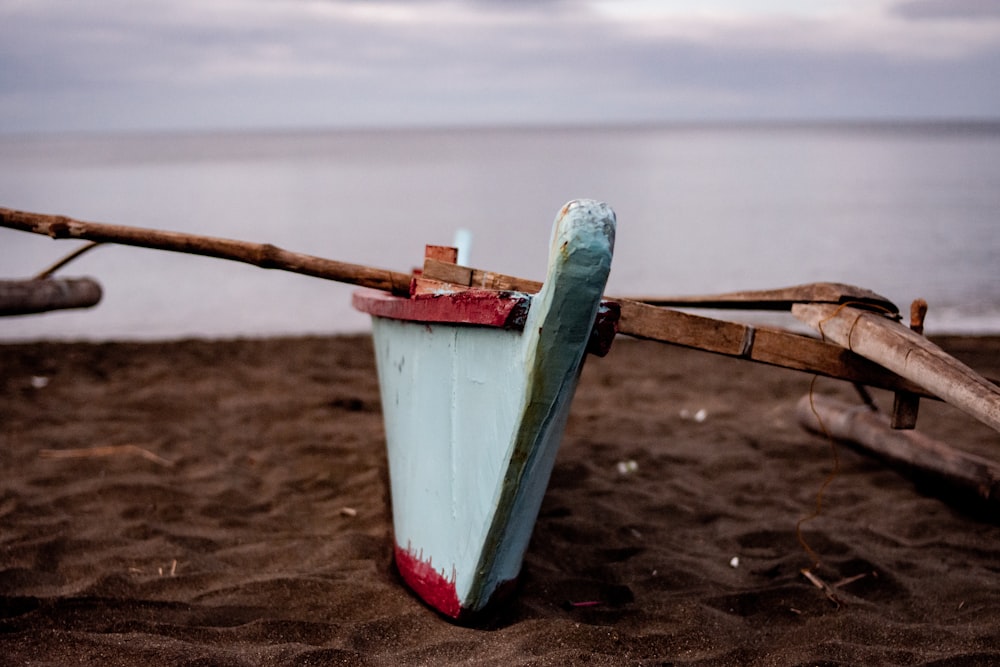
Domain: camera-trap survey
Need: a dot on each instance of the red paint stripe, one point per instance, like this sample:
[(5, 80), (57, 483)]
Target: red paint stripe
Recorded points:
[(483, 307), (432, 586)]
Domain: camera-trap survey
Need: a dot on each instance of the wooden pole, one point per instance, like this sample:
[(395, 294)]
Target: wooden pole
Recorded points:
[(24, 297), (263, 255), (908, 354), (778, 299), (906, 406), (871, 431)]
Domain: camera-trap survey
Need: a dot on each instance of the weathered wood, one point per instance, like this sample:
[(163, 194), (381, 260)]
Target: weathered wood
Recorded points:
[(468, 277), (671, 326), (871, 431), (263, 255), (25, 297), (766, 345), (776, 347), (908, 354), (779, 299), (484, 308), (761, 344), (441, 253), (906, 406)]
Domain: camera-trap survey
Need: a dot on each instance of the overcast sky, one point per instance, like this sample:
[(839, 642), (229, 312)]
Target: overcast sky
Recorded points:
[(69, 65)]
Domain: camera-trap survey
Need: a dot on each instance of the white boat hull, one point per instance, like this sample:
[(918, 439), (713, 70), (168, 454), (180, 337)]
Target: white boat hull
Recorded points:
[(475, 410)]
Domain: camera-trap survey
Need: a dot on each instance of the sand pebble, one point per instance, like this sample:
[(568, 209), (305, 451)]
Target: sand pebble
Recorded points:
[(699, 416), (626, 467)]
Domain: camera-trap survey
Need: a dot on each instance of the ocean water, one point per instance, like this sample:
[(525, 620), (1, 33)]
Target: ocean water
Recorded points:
[(908, 210)]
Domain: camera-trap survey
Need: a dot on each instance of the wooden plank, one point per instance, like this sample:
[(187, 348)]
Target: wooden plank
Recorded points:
[(908, 354), (776, 347), (441, 253), (469, 277), (766, 345), (485, 308), (25, 297), (779, 299), (871, 431), (671, 326)]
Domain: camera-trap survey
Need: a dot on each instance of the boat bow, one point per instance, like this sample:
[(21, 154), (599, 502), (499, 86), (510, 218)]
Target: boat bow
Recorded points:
[(475, 407)]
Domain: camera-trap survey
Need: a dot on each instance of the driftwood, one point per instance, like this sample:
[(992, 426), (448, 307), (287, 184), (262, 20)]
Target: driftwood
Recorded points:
[(24, 297), (908, 354), (263, 255), (871, 431)]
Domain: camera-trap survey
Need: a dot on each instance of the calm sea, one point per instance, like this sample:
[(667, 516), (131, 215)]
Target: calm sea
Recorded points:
[(906, 210)]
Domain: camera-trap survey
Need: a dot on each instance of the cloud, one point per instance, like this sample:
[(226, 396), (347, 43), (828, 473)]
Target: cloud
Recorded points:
[(948, 9), (109, 64)]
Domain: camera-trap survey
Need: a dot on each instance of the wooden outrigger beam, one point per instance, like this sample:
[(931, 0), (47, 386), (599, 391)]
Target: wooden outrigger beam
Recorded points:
[(906, 353), (638, 319), (766, 345), (264, 255), (781, 299)]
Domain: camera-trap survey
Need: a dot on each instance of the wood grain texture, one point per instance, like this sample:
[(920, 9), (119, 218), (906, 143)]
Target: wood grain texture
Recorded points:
[(908, 354), (872, 431), (25, 297), (263, 255)]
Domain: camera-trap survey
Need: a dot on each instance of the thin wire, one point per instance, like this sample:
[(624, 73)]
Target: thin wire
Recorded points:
[(835, 453), (818, 510)]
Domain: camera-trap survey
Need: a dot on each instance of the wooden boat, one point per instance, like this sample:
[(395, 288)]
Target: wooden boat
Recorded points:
[(476, 387), (477, 371)]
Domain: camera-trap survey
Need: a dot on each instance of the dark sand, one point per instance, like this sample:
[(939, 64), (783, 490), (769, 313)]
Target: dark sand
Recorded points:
[(268, 539)]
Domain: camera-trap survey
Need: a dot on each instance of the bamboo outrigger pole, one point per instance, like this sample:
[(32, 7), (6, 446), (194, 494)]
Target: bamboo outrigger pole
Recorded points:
[(908, 354), (264, 255)]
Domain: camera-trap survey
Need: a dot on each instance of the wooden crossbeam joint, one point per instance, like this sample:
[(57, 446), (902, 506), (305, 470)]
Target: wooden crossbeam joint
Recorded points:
[(906, 406)]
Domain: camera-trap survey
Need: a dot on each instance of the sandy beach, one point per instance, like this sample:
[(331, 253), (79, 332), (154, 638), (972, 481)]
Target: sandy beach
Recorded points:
[(226, 503)]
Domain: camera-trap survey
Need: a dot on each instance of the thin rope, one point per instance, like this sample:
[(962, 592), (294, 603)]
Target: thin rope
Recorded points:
[(47, 273)]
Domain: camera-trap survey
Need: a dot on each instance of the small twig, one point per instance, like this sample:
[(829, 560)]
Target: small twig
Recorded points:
[(850, 580), (831, 594), (107, 450), (65, 260), (865, 396)]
